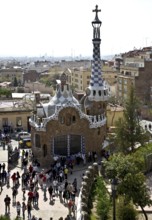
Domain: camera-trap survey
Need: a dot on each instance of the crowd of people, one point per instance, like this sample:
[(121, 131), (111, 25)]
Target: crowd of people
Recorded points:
[(34, 182), (32, 179)]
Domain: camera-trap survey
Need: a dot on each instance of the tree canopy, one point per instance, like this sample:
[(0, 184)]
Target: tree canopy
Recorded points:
[(128, 130), (131, 181)]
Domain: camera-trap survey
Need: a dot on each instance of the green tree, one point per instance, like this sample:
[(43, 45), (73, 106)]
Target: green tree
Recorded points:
[(128, 130), (103, 200), (135, 189), (5, 92), (131, 182), (15, 83)]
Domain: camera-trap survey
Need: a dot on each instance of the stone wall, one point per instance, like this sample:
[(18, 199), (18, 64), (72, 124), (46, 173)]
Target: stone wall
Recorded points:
[(82, 206), (93, 137)]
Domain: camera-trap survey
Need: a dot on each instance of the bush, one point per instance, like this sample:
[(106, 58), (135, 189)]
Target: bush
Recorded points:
[(126, 211), (103, 199), (3, 217)]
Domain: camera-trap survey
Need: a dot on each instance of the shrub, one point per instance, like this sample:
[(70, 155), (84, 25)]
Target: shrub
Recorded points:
[(126, 211), (103, 199)]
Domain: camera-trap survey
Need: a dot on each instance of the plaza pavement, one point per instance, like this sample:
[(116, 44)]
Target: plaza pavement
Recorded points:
[(45, 210)]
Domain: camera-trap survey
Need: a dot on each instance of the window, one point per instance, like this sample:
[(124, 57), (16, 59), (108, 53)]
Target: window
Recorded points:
[(99, 92), (62, 120), (37, 141), (5, 121), (125, 89), (120, 80), (125, 81), (18, 121), (120, 87), (94, 92), (60, 145), (44, 150), (75, 144), (73, 118), (88, 112)]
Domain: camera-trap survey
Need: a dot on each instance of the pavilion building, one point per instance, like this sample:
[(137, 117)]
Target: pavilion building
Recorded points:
[(64, 126)]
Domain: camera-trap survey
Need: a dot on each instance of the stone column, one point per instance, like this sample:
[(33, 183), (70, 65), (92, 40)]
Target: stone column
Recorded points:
[(90, 168), (96, 171), (102, 171), (84, 215), (88, 174)]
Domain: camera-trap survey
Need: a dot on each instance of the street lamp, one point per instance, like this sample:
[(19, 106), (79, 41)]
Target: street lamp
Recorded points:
[(114, 184)]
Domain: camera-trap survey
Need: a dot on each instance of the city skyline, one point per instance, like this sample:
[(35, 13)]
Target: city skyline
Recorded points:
[(63, 28)]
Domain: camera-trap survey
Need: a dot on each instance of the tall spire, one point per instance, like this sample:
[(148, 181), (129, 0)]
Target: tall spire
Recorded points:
[(96, 76), (96, 89)]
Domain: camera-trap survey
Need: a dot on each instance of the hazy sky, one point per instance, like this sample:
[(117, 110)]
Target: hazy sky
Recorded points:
[(63, 27)]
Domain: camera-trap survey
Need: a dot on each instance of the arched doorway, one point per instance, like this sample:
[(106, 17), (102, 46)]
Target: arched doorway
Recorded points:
[(66, 145)]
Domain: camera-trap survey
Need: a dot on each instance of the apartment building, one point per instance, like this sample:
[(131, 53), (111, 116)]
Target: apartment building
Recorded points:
[(79, 78), (136, 71), (8, 75), (14, 115)]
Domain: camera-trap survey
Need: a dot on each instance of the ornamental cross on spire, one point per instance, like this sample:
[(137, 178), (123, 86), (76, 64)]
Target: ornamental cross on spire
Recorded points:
[(96, 10)]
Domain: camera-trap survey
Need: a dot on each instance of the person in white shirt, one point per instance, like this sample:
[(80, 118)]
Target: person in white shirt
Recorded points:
[(55, 186)]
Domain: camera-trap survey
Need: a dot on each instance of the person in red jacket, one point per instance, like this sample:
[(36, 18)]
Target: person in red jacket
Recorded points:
[(30, 168), (30, 196)]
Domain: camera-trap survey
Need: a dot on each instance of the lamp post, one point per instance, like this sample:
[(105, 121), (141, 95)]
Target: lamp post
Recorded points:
[(114, 189)]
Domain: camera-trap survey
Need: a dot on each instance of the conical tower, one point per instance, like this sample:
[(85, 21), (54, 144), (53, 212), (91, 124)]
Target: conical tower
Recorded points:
[(97, 93)]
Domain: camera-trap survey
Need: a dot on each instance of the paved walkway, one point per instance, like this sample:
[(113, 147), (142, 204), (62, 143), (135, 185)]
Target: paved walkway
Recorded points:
[(45, 210)]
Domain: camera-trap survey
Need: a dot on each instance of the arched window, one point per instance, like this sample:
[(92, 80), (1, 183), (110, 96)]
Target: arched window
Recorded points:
[(94, 92), (44, 150), (99, 92), (37, 141), (73, 119), (88, 112), (68, 119), (62, 120)]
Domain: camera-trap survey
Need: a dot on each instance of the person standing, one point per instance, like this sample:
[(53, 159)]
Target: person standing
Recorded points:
[(23, 190), (7, 201), (55, 186), (18, 208), (29, 208), (66, 173), (50, 190), (1, 186), (23, 209), (8, 178), (70, 204), (14, 193)]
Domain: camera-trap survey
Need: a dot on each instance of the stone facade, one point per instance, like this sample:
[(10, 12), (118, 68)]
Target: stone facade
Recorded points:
[(93, 138), (31, 76)]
